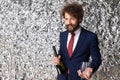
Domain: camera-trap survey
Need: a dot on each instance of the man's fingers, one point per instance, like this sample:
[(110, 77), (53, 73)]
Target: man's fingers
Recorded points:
[(80, 74), (86, 75), (56, 60), (88, 72), (59, 56)]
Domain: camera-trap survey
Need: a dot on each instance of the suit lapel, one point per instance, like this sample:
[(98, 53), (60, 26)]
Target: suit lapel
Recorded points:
[(65, 43), (80, 41)]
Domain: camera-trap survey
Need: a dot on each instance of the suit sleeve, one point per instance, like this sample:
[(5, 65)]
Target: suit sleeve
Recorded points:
[(95, 54), (60, 50)]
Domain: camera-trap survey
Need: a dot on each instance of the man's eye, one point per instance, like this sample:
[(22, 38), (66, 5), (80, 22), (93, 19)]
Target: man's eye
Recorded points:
[(72, 19)]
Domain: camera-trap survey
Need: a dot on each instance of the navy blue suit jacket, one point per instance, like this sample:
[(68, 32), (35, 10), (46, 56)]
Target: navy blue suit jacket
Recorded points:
[(87, 46)]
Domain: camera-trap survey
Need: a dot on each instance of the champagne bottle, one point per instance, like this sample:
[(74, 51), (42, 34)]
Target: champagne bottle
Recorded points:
[(61, 67)]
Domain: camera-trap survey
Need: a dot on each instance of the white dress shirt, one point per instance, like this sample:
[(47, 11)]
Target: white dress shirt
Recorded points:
[(76, 37)]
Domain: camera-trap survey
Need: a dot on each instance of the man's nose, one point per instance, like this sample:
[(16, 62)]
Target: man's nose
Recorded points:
[(69, 21)]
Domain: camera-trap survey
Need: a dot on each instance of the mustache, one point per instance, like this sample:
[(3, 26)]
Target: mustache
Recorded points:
[(69, 25)]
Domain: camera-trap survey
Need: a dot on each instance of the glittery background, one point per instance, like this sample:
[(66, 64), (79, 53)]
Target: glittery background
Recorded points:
[(29, 29)]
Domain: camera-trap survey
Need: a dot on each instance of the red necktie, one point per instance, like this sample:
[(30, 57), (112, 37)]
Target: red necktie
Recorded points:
[(70, 45)]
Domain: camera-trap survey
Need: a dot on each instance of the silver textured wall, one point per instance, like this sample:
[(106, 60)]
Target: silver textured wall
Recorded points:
[(29, 28)]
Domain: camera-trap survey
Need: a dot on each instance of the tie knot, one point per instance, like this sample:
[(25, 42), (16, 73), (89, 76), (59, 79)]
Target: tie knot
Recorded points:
[(73, 34)]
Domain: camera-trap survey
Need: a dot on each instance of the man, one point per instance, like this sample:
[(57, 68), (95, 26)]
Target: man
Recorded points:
[(77, 45)]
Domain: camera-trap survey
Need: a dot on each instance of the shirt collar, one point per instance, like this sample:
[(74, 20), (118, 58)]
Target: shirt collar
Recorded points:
[(78, 31)]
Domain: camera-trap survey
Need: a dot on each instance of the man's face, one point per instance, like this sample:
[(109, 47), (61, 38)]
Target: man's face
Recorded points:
[(71, 22)]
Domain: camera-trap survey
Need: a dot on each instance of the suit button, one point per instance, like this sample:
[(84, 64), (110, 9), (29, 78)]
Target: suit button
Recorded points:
[(70, 59)]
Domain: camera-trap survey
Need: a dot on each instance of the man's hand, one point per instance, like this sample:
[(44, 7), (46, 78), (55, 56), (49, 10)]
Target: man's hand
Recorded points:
[(80, 73), (56, 60), (85, 74)]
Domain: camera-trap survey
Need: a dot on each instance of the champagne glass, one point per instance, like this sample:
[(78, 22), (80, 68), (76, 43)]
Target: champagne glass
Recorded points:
[(84, 65)]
